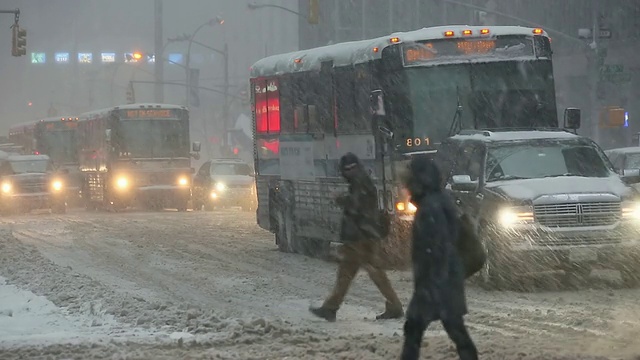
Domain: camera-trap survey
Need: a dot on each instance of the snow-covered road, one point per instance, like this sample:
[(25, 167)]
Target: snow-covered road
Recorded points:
[(171, 285)]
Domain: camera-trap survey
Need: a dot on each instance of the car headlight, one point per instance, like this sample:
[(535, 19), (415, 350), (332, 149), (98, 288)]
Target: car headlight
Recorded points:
[(122, 182), (56, 185), (220, 186), (631, 210), (214, 195), (516, 215), (6, 187), (183, 181)]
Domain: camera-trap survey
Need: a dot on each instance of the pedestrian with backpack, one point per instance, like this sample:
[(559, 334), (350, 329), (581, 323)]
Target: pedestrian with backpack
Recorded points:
[(438, 269), (361, 233)]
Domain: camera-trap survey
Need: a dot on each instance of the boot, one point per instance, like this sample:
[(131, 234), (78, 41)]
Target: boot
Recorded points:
[(391, 312), (321, 312)]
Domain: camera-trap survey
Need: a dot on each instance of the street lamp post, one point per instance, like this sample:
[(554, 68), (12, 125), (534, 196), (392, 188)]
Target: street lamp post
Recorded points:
[(225, 105), (254, 6), (212, 22)]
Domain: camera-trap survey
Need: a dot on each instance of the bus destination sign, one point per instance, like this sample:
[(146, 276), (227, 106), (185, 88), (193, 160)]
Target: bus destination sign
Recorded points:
[(148, 114), (453, 48)]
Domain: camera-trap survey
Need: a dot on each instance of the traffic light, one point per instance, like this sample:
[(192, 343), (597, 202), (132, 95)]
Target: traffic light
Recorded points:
[(18, 41), (314, 13)]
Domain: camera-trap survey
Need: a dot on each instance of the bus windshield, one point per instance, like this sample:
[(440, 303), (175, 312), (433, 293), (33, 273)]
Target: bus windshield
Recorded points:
[(152, 138), (504, 94), (60, 145)]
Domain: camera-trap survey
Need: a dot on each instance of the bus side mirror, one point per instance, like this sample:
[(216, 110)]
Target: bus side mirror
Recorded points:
[(376, 101), (107, 135), (572, 118), (196, 146), (386, 132)]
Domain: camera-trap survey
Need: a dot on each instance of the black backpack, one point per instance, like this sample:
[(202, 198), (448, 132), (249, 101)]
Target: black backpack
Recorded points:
[(470, 247)]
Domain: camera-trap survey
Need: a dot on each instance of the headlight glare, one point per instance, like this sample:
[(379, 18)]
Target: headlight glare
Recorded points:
[(6, 187), (220, 186), (631, 210), (122, 182), (406, 207), (57, 185), (518, 215), (183, 181)]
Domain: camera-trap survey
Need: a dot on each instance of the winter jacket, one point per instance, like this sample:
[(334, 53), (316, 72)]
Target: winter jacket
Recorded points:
[(360, 217), (438, 269)]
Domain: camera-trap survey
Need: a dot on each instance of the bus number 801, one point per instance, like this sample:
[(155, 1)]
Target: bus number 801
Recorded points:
[(417, 142)]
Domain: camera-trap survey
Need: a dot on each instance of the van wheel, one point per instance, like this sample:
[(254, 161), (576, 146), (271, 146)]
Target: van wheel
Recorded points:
[(285, 233), (493, 275), (59, 208)]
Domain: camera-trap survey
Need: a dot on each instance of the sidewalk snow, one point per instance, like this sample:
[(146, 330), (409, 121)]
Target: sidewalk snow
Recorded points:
[(29, 318)]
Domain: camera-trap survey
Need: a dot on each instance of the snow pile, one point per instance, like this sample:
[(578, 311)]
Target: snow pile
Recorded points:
[(97, 305), (26, 317)]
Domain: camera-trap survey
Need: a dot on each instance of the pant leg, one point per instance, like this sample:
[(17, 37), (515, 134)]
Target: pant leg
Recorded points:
[(458, 333), (414, 327), (347, 271), (379, 277)]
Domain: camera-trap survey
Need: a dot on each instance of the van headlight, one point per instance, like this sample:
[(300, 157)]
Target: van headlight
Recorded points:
[(122, 183), (56, 185), (6, 187), (183, 181), (220, 187), (515, 215), (406, 207), (631, 210)]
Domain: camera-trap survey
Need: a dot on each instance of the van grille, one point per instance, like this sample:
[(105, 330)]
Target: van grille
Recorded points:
[(578, 214)]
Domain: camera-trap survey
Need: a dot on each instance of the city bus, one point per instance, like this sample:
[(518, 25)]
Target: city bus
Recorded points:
[(136, 154), (23, 135), (384, 99), (55, 137)]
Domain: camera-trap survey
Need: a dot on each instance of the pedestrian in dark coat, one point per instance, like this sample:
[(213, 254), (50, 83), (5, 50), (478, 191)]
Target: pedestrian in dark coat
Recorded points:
[(438, 270), (360, 234)]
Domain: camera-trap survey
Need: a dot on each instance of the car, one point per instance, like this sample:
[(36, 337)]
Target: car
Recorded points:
[(224, 182), (28, 182), (543, 200), (627, 158)]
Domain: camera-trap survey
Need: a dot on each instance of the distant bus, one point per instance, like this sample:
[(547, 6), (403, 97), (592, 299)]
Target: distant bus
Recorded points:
[(384, 99), (138, 153), (57, 138)]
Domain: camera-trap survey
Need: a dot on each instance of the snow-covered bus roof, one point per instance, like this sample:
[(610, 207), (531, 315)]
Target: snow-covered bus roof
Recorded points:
[(27, 157), (58, 118), (95, 113), (356, 52), (21, 126)]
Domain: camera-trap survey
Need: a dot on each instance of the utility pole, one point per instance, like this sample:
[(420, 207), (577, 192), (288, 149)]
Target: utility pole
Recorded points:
[(159, 49), (594, 70), (225, 109)]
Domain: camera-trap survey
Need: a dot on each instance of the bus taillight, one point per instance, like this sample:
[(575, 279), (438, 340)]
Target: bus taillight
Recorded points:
[(449, 33), (467, 32), (484, 31), (538, 31)]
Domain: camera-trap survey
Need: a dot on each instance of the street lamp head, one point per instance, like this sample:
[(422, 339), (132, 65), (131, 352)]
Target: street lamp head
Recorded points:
[(218, 20)]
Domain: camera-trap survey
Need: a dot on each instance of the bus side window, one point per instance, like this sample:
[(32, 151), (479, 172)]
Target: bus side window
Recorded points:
[(286, 104), (300, 121), (315, 126), (344, 79), (362, 92)]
